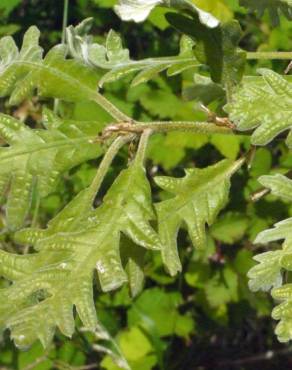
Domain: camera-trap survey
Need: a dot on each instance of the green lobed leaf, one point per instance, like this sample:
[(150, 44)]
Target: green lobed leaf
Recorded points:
[(16, 64), (198, 198), (113, 57), (268, 273), (77, 242), (266, 108), (35, 158), (22, 72)]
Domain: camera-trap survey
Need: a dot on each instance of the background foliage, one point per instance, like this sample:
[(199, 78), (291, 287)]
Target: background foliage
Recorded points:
[(206, 316)]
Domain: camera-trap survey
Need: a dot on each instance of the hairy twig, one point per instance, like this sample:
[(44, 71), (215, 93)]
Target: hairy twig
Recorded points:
[(124, 128), (106, 162)]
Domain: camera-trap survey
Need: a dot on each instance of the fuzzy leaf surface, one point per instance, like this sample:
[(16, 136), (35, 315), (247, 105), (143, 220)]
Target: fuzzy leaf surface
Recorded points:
[(16, 64), (266, 108), (114, 57), (35, 159), (24, 72), (78, 241), (268, 273), (198, 198)]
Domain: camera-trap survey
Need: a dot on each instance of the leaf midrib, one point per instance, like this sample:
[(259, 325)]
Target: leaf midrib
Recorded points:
[(190, 198), (36, 148)]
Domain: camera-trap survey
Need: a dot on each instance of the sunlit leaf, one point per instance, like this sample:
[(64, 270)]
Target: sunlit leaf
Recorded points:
[(197, 199), (77, 242), (35, 159)]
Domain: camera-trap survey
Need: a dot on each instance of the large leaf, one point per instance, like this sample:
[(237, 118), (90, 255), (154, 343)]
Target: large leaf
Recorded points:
[(112, 56), (78, 241), (268, 273), (198, 197), (35, 158), (216, 47), (266, 107), (273, 7)]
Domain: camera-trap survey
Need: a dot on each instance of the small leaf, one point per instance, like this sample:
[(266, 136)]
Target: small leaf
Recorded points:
[(203, 90), (153, 305), (267, 273)]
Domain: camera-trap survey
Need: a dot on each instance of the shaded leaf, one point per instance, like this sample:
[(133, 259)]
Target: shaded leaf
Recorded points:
[(274, 7), (229, 228), (216, 47)]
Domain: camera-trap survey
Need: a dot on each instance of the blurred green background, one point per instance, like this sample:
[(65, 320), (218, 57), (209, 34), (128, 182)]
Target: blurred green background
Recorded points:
[(206, 318)]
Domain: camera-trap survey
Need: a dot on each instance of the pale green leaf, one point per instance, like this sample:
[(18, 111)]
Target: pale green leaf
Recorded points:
[(77, 242), (268, 273), (36, 158), (266, 108), (113, 57), (22, 72), (15, 64), (198, 198), (283, 312)]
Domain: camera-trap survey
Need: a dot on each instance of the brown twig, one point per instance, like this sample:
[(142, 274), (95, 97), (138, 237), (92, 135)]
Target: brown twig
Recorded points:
[(219, 121)]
